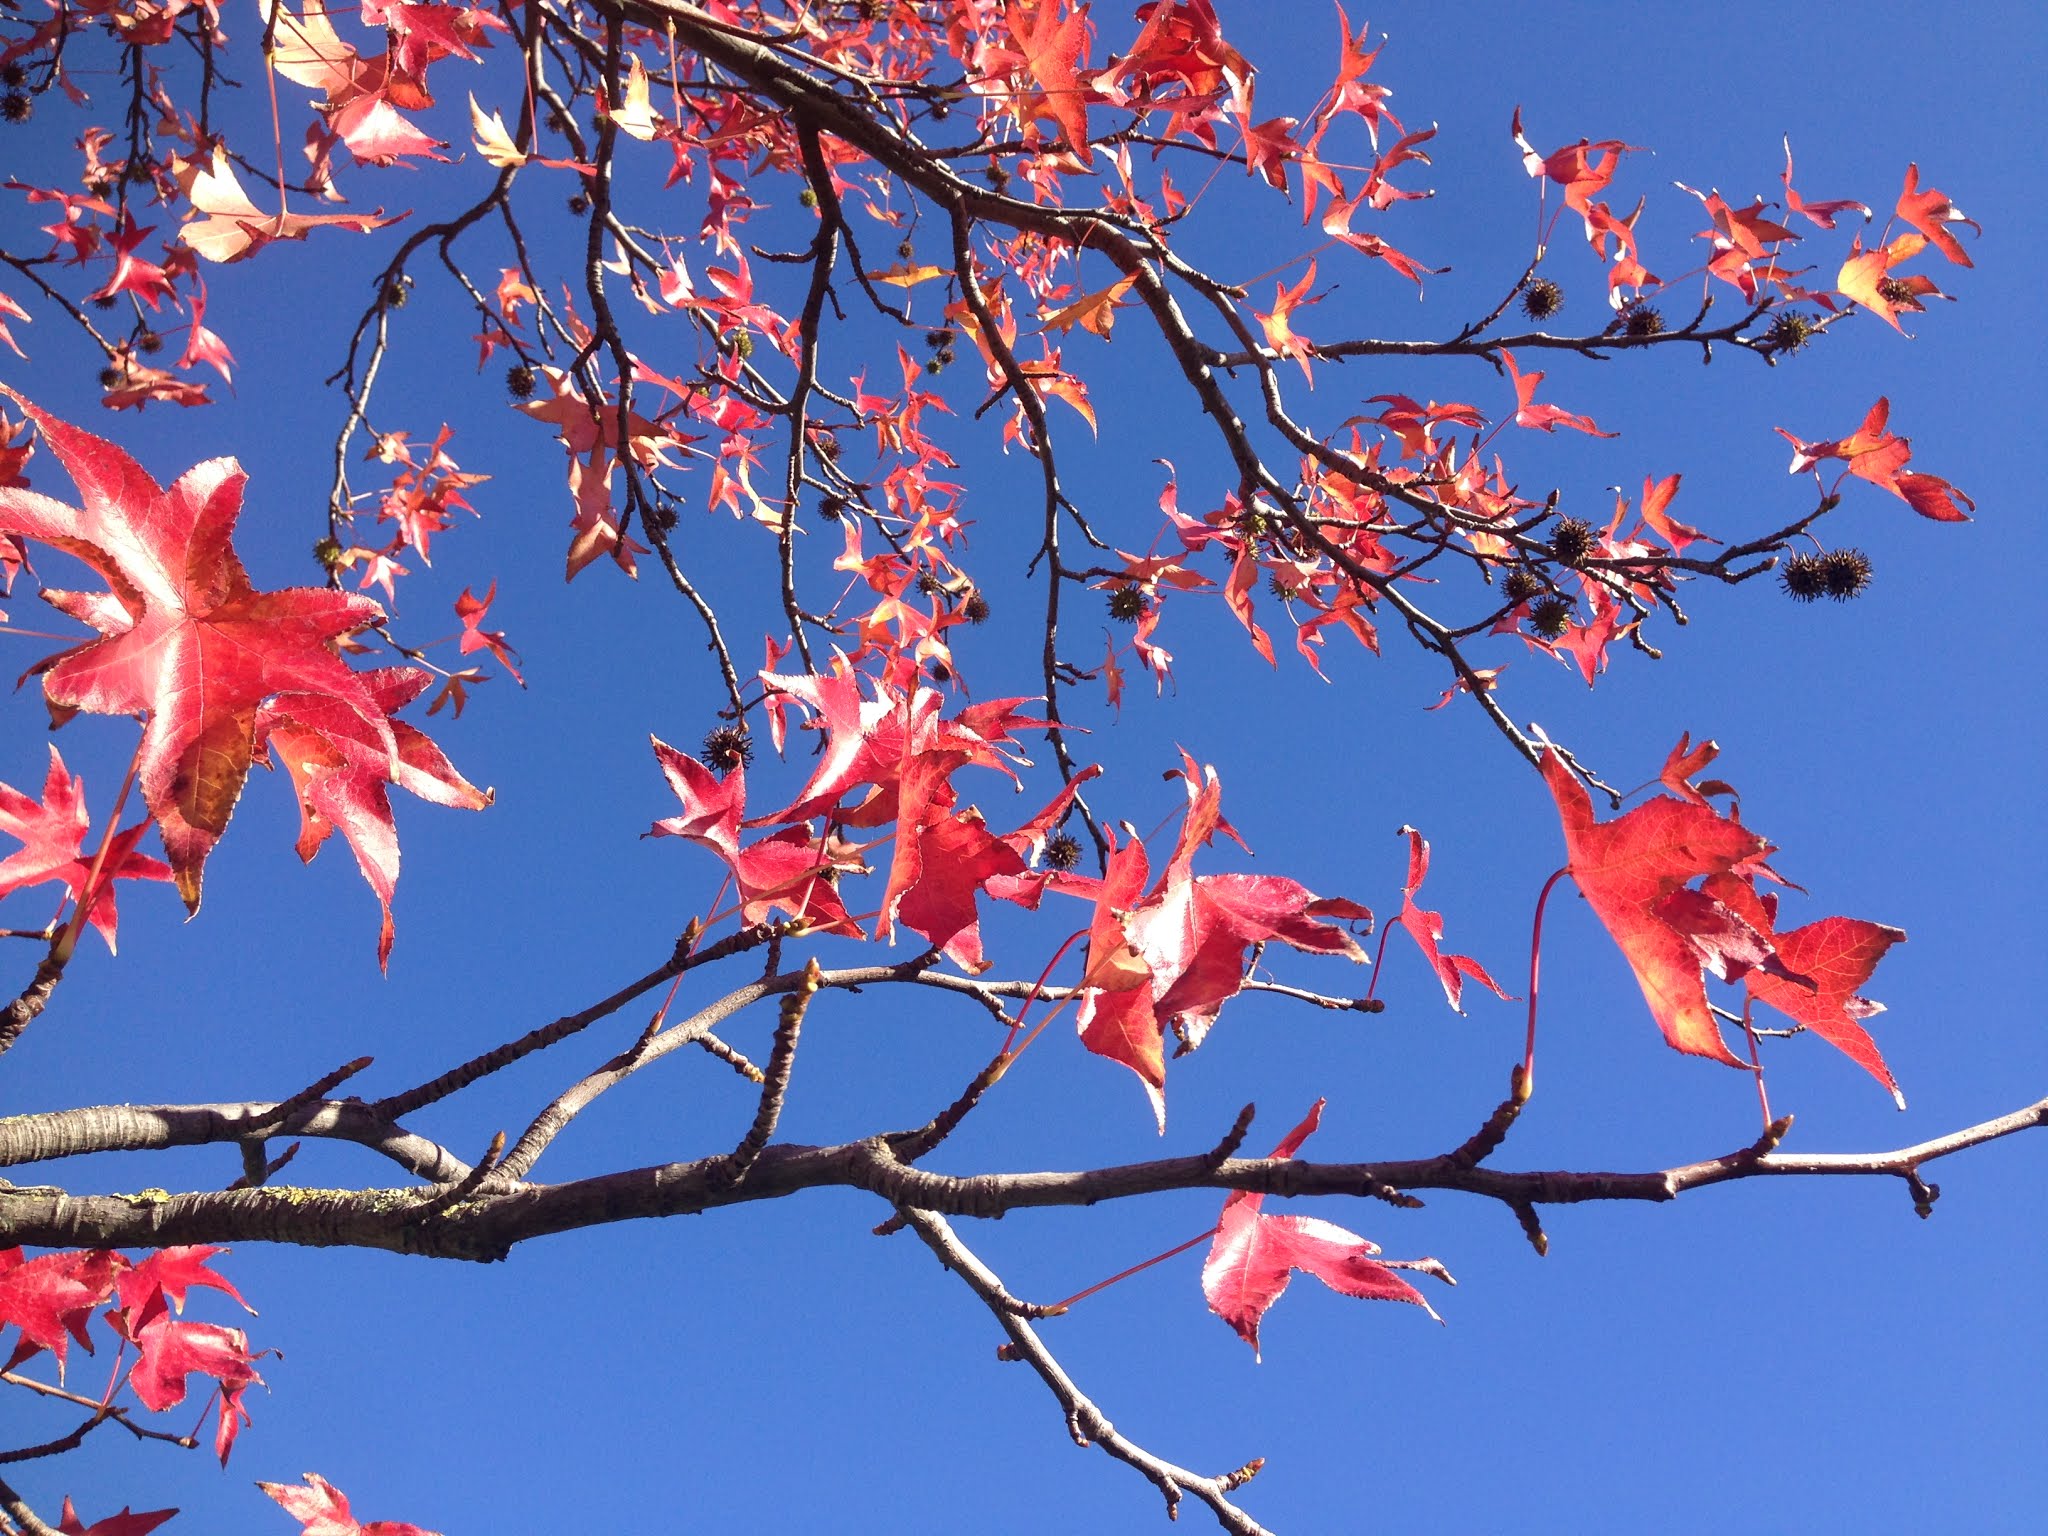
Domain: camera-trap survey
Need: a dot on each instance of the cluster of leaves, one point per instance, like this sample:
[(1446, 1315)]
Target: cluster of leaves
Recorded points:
[(1068, 220), (50, 1302)]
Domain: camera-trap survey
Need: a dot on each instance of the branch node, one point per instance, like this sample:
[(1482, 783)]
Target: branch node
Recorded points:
[(256, 1170), (1485, 1141), (1774, 1133), (1233, 1138), (1230, 1482), (1532, 1226), (454, 1194), (1924, 1193)]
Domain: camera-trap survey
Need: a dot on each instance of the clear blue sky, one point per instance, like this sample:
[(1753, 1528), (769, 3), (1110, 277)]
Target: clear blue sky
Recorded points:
[(1785, 1356)]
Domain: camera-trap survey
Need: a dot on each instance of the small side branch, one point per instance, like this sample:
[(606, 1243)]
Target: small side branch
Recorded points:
[(775, 1085), (35, 997), (1085, 1421)]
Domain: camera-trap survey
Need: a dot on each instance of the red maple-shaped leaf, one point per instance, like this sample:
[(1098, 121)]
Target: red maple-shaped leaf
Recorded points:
[(1657, 497), (185, 638), (171, 1272), (1821, 213), (322, 1510), (1254, 1255), (1544, 418), (957, 856), (71, 1523), (790, 871), (343, 773), (1636, 871), (1176, 956), (473, 611), (50, 1298), (1874, 453), (169, 1352), (1427, 929), (53, 835), (1685, 761), (1837, 955)]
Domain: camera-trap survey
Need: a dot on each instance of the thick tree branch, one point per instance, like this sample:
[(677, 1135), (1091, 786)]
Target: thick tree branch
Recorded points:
[(490, 1223)]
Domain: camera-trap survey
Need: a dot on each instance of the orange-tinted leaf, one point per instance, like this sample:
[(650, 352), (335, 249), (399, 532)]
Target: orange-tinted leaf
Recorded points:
[(1931, 213), (1094, 311)]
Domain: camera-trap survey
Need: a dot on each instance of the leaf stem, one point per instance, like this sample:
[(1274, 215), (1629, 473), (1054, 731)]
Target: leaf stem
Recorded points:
[(67, 941), (1527, 1085), (1125, 1274)]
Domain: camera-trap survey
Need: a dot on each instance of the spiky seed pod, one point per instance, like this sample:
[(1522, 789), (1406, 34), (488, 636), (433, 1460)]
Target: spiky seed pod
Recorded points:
[(662, 515), (832, 508), (937, 339), (110, 378), (1520, 585), (1127, 605), (1804, 577), (1550, 617), (1062, 850), (1284, 590), (396, 294), (519, 382), (149, 343), (807, 198), (17, 106), (12, 75), (1641, 319), (996, 177), (1571, 541), (739, 343), (105, 301), (138, 172), (1896, 291), (579, 203), (975, 609), (1846, 573), (936, 364), (940, 671), (906, 250), (729, 747), (1789, 331), (1541, 298), (328, 552), (927, 583)]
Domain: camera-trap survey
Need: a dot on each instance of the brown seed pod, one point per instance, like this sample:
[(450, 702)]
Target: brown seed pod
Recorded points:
[(1571, 541), (1541, 298), (1551, 617), (1127, 605), (1804, 577), (729, 747), (1845, 573)]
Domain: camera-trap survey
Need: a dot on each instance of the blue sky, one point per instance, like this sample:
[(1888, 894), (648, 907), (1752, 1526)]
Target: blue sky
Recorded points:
[(1780, 1356)]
